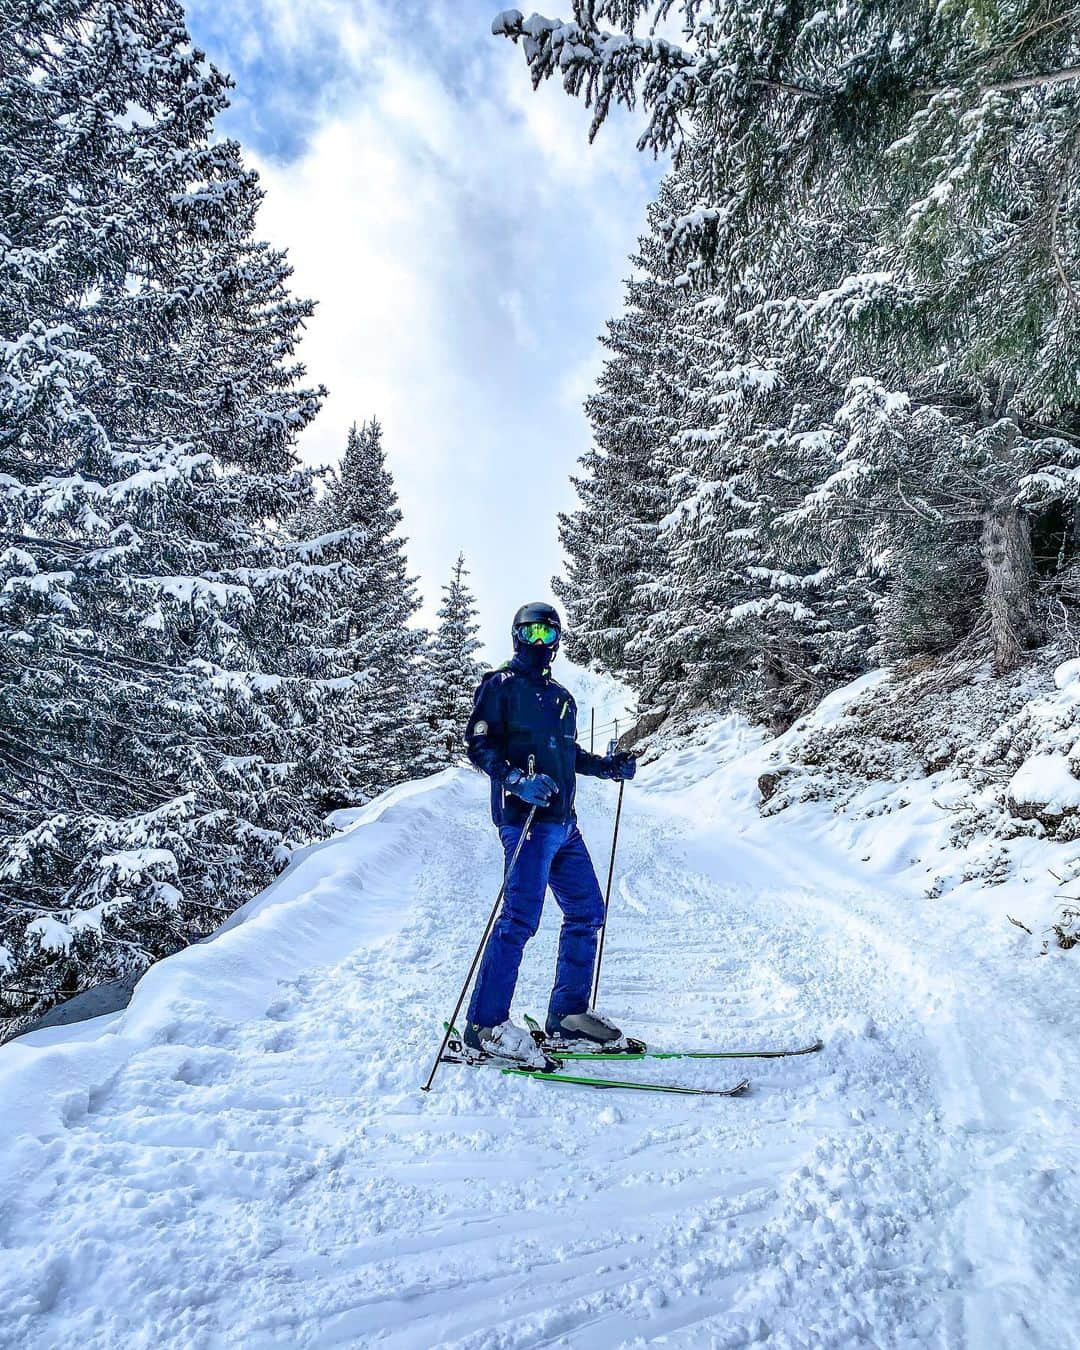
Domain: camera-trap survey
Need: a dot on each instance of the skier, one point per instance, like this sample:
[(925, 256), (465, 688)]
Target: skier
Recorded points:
[(523, 735)]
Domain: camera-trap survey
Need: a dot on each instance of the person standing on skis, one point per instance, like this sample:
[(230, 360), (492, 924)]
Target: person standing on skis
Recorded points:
[(523, 735)]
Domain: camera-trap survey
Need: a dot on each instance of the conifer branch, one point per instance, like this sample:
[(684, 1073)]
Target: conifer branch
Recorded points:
[(1055, 211), (1056, 21), (1015, 83)]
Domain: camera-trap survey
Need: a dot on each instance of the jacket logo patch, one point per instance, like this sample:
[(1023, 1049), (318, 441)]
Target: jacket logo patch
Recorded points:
[(481, 729)]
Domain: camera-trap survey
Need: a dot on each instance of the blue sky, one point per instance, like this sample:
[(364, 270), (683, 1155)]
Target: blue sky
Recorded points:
[(465, 245)]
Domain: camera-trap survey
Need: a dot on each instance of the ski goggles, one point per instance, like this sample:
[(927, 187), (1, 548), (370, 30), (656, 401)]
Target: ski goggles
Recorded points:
[(537, 634)]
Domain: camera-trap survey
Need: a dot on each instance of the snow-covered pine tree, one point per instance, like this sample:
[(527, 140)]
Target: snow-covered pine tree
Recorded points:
[(946, 137), (679, 581), (149, 401), (453, 671), (952, 505), (767, 616), (616, 575), (736, 613), (369, 626)]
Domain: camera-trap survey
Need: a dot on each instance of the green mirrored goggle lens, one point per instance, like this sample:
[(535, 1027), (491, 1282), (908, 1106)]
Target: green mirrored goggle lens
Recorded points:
[(534, 634)]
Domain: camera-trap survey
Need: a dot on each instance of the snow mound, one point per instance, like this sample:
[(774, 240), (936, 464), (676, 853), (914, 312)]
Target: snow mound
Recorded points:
[(1047, 782), (945, 780)]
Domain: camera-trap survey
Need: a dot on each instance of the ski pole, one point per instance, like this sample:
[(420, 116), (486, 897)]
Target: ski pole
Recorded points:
[(607, 899), (480, 950)]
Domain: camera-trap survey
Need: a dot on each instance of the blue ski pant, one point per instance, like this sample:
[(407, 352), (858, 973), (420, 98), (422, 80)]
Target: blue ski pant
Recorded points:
[(553, 855)]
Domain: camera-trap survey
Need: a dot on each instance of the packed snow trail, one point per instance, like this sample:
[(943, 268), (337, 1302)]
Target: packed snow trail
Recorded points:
[(244, 1157)]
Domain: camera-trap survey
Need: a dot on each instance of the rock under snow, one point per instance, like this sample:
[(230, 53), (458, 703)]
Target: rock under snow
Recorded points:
[(1044, 785)]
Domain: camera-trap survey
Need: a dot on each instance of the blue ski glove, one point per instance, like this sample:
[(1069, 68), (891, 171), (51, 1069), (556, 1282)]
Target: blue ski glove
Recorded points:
[(537, 788), (623, 765)]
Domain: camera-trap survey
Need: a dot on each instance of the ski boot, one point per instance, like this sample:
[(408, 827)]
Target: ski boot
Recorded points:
[(506, 1042), (589, 1031)]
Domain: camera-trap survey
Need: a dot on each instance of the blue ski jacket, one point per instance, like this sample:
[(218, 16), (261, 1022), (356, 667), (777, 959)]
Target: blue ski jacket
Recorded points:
[(521, 711)]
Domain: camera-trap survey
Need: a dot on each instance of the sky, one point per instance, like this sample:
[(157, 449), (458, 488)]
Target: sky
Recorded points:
[(465, 246)]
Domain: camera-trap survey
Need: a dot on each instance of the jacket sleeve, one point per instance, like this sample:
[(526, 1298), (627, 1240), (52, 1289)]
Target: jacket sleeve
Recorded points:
[(593, 766), (485, 734)]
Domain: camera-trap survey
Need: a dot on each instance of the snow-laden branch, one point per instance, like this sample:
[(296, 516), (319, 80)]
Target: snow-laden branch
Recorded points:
[(607, 65)]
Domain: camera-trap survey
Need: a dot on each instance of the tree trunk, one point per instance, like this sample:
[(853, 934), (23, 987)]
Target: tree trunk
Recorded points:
[(778, 705), (1010, 584)]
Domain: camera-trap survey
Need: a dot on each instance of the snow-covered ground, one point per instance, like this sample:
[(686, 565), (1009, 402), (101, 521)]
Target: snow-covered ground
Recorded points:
[(244, 1158)]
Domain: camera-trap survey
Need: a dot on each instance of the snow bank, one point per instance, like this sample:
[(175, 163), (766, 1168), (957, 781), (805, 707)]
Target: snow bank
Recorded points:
[(1046, 781), (961, 789), (334, 896)]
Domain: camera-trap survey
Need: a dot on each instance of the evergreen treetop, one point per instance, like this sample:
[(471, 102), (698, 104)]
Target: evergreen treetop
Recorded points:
[(947, 132), (370, 627), (453, 668)]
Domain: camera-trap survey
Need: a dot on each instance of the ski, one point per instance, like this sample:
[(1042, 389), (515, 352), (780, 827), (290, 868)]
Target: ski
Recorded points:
[(674, 1089), (553, 1048), (458, 1053), (605, 1055)]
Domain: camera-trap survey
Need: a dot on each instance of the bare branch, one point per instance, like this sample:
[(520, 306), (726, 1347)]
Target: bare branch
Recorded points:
[(1035, 80)]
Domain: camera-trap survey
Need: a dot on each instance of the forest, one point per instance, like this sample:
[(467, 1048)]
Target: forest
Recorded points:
[(838, 424), (206, 647), (836, 427)]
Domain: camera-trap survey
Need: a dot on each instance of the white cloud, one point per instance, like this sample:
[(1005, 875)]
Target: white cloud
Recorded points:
[(465, 246)]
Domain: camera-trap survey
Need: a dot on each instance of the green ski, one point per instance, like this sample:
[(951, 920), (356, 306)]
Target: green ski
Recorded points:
[(551, 1048), (458, 1053), (674, 1089)]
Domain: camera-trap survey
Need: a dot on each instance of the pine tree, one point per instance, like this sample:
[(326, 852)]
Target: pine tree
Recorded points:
[(453, 668), (614, 587), (764, 615), (947, 501), (369, 626), (682, 580), (938, 146), (149, 401)]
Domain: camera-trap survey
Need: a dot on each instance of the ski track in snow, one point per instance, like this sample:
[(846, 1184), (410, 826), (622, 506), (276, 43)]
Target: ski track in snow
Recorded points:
[(268, 1173)]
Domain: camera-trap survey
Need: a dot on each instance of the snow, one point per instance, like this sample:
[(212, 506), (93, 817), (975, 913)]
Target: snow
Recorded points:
[(771, 604), (51, 933), (1047, 781), (506, 22), (604, 705), (244, 1157), (132, 863), (1067, 677)]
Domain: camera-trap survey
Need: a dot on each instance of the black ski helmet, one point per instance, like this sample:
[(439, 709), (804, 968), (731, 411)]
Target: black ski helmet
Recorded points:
[(536, 612)]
